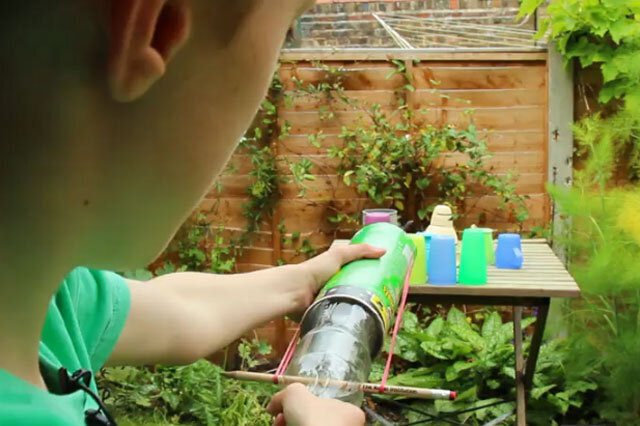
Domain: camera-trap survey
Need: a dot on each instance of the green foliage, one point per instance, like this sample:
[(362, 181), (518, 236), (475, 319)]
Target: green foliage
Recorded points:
[(604, 248), (252, 352), (477, 360), (199, 246), (194, 394), (398, 161), (606, 34)]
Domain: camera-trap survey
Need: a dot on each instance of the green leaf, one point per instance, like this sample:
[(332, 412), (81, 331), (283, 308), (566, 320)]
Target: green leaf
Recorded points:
[(453, 371), (493, 384), (491, 329), (264, 348), (456, 316), (609, 71), (434, 329), (528, 7), (466, 333), (622, 28), (536, 393)]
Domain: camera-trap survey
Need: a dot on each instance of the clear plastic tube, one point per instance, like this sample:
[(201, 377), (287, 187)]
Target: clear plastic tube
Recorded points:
[(338, 346)]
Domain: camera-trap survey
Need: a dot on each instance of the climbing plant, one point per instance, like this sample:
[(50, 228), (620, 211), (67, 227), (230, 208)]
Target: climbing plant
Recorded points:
[(396, 157), (604, 34)]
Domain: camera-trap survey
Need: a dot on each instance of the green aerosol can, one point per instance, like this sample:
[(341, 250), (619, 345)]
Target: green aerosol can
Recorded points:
[(344, 329)]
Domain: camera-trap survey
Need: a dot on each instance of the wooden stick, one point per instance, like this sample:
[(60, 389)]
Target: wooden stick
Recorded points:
[(412, 392)]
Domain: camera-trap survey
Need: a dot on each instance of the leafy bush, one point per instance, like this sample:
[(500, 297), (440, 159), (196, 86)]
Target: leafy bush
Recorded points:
[(398, 162), (478, 362), (605, 34), (604, 248), (193, 394)]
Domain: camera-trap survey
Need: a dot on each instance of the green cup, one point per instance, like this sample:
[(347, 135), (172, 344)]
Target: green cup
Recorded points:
[(473, 261), (488, 240), (419, 270)]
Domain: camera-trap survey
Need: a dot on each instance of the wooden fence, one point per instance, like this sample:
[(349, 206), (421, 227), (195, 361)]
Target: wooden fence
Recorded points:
[(507, 92)]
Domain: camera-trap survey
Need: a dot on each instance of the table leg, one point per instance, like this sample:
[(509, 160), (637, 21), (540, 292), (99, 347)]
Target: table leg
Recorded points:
[(536, 341), (521, 419)]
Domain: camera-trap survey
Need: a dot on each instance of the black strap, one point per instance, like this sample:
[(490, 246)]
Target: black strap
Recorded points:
[(81, 380)]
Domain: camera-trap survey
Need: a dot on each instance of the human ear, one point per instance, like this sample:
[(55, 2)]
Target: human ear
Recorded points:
[(144, 36)]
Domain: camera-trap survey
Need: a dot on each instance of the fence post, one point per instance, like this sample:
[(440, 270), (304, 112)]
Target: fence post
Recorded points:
[(559, 139)]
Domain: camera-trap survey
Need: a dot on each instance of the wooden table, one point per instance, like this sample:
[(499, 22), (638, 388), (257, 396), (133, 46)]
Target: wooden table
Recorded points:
[(542, 277)]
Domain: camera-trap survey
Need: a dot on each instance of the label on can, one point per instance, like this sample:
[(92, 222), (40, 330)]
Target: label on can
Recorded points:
[(380, 281)]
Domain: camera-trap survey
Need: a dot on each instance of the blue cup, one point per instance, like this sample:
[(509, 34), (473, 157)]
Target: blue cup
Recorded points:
[(509, 252), (441, 265)]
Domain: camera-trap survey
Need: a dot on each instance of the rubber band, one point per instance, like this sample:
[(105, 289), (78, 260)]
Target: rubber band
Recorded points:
[(286, 358), (396, 327)]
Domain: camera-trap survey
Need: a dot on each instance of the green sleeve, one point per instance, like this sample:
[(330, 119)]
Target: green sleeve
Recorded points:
[(101, 301)]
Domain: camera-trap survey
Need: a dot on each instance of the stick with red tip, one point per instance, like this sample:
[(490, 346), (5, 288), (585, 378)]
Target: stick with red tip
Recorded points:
[(422, 393)]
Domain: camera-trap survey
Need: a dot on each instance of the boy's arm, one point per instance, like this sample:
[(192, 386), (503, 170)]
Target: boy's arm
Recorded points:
[(182, 317)]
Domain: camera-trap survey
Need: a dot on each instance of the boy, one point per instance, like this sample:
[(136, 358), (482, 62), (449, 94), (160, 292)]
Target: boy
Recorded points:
[(117, 116)]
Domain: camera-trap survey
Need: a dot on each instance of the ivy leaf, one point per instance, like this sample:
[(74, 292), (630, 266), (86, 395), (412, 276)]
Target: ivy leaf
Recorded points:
[(622, 28), (528, 7), (399, 205), (264, 348)]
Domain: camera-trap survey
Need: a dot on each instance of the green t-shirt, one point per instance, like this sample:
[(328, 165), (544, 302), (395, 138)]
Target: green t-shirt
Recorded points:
[(83, 323)]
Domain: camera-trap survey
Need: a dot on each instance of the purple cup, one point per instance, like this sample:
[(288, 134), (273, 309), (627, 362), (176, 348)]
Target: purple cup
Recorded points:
[(376, 217)]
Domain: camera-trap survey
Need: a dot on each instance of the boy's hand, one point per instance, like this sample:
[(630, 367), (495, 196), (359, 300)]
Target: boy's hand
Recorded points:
[(324, 266), (296, 406)]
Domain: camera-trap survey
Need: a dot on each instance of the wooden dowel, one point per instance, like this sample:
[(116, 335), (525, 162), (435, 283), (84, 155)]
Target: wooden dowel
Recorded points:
[(413, 392)]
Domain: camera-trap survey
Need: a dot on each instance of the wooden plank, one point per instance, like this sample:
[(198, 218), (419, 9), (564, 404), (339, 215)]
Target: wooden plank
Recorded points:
[(358, 99), (497, 141), (518, 161), (425, 76), (495, 291), (365, 77), (321, 164), (428, 77), (309, 215), (487, 206), (332, 186), (496, 119), (533, 54), (230, 214), (324, 187), (477, 98), (250, 267), (234, 186), (514, 140), (254, 255)]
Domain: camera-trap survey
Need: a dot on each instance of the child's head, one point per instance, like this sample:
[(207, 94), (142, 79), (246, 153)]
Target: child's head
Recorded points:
[(118, 114)]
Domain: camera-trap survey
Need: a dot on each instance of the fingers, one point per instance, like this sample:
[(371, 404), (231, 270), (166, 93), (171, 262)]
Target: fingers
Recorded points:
[(275, 405), (280, 421), (359, 251)]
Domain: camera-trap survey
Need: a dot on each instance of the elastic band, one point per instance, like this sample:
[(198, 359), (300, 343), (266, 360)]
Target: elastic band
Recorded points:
[(396, 327), (286, 358)]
